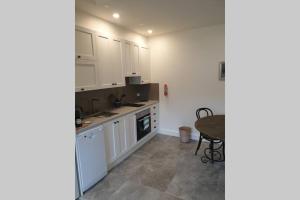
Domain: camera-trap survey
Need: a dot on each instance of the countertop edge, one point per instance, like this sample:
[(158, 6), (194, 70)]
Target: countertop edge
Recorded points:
[(93, 125)]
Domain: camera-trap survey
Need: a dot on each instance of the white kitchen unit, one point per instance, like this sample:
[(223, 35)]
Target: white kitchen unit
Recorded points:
[(154, 117), (115, 51), (109, 62), (86, 76), (118, 137), (90, 152), (84, 44), (130, 58), (103, 62), (121, 136), (130, 131), (144, 64), (77, 191)]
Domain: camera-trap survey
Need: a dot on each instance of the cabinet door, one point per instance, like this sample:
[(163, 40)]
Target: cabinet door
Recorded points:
[(127, 58), (135, 59), (84, 44), (106, 72), (109, 142), (122, 137), (116, 63), (145, 64), (154, 117), (130, 130), (85, 76), (116, 138)]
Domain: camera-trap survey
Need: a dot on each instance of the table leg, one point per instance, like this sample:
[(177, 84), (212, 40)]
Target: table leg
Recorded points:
[(212, 150), (223, 150), (199, 143)]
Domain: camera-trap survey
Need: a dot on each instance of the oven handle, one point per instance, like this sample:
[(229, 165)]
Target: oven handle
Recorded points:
[(144, 117)]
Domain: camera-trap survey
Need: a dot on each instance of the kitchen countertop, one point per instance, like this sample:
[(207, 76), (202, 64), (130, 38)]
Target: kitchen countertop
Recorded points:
[(124, 110)]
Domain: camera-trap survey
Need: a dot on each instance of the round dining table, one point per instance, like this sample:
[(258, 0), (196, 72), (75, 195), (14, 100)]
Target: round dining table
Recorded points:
[(212, 128)]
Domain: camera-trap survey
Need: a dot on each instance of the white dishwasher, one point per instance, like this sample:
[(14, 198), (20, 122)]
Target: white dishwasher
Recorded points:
[(90, 152)]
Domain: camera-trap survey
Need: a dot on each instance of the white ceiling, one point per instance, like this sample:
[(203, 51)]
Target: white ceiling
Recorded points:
[(161, 16)]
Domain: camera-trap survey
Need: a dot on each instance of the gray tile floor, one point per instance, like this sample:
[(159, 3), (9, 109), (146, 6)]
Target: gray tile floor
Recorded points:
[(162, 169)]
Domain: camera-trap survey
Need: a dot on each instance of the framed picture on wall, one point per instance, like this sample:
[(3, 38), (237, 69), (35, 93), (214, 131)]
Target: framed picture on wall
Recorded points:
[(222, 71)]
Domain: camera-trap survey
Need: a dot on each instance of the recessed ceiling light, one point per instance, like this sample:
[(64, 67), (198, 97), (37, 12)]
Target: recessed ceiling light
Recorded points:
[(150, 31), (116, 15)]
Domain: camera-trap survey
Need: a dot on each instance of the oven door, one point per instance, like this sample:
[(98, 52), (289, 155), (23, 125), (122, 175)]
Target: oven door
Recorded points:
[(143, 126)]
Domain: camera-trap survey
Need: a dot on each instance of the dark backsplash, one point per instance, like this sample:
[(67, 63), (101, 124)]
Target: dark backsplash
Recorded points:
[(107, 96)]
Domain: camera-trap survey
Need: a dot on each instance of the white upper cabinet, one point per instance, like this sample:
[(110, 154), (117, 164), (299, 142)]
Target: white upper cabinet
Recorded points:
[(136, 59), (103, 62), (127, 58), (105, 72), (86, 76), (84, 44), (131, 58), (109, 61), (116, 62), (145, 64)]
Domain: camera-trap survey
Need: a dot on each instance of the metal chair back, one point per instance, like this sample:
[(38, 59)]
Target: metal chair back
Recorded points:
[(207, 110)]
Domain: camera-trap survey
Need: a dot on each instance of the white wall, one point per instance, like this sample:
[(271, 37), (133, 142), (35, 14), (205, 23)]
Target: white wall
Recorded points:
[(94, 23), (188, 62)]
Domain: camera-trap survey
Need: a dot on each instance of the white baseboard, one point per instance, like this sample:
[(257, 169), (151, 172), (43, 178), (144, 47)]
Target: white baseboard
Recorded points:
[(194, 135)]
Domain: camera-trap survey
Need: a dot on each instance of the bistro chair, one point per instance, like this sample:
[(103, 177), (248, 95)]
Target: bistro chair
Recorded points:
[(209, 112)]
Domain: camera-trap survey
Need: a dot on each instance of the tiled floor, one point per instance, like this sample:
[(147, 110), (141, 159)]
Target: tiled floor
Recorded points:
[(163, 169)]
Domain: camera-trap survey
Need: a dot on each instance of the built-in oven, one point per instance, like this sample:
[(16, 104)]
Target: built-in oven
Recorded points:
[(143, 123)]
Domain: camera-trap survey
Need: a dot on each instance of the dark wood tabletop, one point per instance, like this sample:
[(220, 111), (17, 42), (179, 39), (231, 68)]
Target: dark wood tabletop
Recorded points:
[(212, 126)]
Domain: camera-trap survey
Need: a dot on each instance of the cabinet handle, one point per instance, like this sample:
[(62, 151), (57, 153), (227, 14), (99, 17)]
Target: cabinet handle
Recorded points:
[(133, 73), (78, 57), (154, 107), (154, 120), (154, 126), (114, 83), (154, 113), (82, 89)]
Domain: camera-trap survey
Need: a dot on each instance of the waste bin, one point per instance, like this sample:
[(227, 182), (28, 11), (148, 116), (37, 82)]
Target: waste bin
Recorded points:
[(185, 134)]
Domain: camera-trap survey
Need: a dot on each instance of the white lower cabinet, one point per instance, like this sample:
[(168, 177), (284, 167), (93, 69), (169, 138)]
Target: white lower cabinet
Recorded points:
[(130, 131), (119, 136), (154, 117), (109, 142)]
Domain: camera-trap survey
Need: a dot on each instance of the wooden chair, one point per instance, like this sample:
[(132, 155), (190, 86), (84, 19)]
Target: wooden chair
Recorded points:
[(208, 113)]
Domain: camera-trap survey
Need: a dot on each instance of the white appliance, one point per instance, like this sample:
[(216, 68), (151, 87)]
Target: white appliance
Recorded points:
[(77, 194), (90, 151)]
